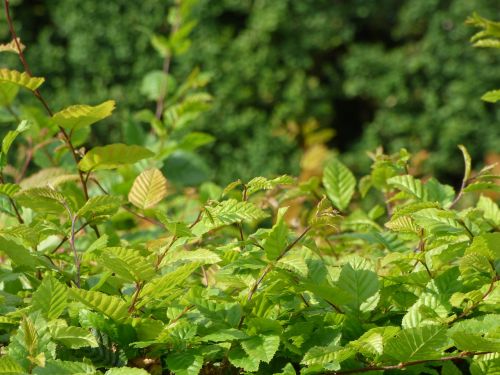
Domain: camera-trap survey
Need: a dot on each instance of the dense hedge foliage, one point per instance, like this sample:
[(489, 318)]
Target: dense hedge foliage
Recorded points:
[(386, 72), (110, 265)]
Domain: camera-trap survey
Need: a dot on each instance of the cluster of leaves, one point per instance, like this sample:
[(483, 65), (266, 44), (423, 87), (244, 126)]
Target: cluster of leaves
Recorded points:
[(106, 267)]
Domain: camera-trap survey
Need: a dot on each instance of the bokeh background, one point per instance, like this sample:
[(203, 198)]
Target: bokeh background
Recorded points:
[(289, 78)]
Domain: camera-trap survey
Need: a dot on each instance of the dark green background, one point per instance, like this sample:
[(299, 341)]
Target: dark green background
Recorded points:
[(387, 72)]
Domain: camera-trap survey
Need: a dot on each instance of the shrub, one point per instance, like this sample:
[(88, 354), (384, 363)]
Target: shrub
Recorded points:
[(106, 267)]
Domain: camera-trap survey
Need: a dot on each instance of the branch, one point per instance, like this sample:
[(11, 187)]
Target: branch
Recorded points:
[(403, 365)]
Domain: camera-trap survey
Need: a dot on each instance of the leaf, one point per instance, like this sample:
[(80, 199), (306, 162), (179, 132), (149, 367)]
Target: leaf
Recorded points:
[(329, 357), (8, 92), (339, 183), (9, 366), (149, 188), (227, 212), (188, 362), (9, 189), (276, 240), (359, 281), (490, 209), (42, 200), (50, 297), (126, 371), (492, 96), (12, 46), (113, 156), (20, 79), (128, 263), (262, 183), (101, 205), (58, 367), (81, 116), (17, 253), (201, 256), (239, 358), (295, 262), (111, 306), (478, 334), (408, 184), (419, 343), (74, 337), (262, 347), (9, 138)]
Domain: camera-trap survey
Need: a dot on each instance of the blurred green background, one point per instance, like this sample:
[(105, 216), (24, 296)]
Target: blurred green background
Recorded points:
[(396, 73)]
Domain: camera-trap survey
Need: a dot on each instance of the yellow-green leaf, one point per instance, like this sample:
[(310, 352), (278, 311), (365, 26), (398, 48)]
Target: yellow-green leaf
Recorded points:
[(149, 188), (80, 116), (20, 79), (113, 156)]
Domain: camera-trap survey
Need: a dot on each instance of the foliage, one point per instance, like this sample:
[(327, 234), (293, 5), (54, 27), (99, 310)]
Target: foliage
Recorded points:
[(384, 72), (110, 267)]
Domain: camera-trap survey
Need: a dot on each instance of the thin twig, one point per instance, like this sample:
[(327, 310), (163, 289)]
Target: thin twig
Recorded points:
[(138, 288), (12, 203), (466, 311), (75, 253)]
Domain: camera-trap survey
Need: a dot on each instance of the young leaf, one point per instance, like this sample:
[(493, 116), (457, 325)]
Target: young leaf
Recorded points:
[(81, 116), (126, 371), (128, 263), (17, 253), (101, 205), (58, 367), (276, 239), (42, 200), (9, 189), (20, 79), (492, 96), (111, 306), (419, 343), (239, 358), (149, 188), (9, 366), (339, 183), (113, 156), (50, 297), (262, 347), (74, 337), (262, 183), (467, 162), (188, 362)]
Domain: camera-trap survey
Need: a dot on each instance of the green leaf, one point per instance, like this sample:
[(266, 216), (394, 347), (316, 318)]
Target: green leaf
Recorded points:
[(187, 362), (113, 156), (276, 240), (58, 367), (239, 358), (9, 189), (42, 200), (490, 209), (262, 183), (329, 357), (419, 343), (478, 334), (100, 206), (111, 306), (128, 263), (201, 256), (149, 188), (438, 222), (8, 92), (17, 253), (372, 342), (339, 183), (227, 212), (9, 366), (81, 116), (467, 162), (408, 184), (492, 96), (50, 297), (20, 79), (74, 337), (126, 371), (262, 347), (359, 281), (295, 262)]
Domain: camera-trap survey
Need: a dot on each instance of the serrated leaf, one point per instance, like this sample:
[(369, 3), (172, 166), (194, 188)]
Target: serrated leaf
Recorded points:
[(58, 367), (74, 337), (48, 177), (81, 116), (479, 334), (126, 371), (113, 156), (149, 188), (188, 362), (294, 262), (12, 46), (276, 239), (262, 183), (8, 92), (111, 306), (438, 222), (9, 189), (9, 366), (359, 281), (240, 359), (17, 253), (128, 263), (102, 205), (50, 298), (262, 347), (42, 200), (339, 183), (490, 209), (408, 184), (201, 256), (20, 79), (227, 212), (329, 357), (419, 343)]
